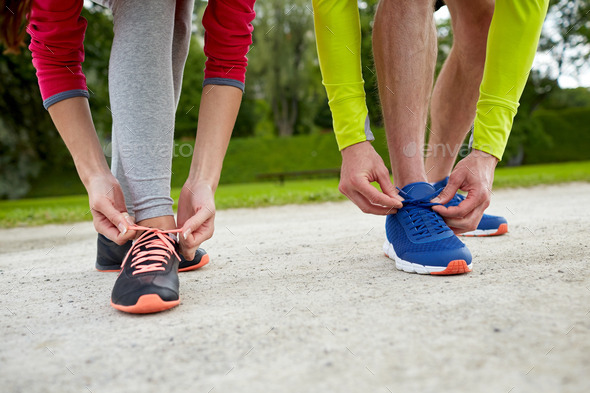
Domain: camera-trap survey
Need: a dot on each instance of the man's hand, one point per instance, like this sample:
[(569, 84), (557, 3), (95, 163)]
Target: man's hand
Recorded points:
[(475, 175), (361, 165), (196, 216), (109, 212)]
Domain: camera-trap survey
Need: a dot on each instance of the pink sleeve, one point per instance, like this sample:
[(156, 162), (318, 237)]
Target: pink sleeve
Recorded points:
[(57, 46), (228, 36)]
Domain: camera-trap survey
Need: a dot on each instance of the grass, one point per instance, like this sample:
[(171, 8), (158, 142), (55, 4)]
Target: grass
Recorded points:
[(55, 210), (30, 212)]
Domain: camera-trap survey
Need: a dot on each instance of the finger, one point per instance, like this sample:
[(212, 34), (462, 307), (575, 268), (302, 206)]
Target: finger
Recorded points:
[(129, 234), (113, 223), (388, 189), (463, 209), (194, 239), (467, 223), (375, 197), (107, 229), (367, 207), (193, 223), (201, 236), (449, 191)]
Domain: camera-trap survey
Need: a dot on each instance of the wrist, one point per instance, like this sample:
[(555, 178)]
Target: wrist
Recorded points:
[(352, 149), (484, 157), (200, 179), (89, 171)]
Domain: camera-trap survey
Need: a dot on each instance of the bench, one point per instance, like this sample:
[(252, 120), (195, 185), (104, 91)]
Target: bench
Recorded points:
[(281, 176)]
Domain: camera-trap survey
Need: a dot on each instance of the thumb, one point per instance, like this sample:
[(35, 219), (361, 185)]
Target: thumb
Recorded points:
[(448, 192), (388, 189), (119, 219)]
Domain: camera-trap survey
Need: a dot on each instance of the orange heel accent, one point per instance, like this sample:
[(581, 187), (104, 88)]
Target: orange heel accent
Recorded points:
[(147, 304), (454, 267), (204, 261), (502, 229)]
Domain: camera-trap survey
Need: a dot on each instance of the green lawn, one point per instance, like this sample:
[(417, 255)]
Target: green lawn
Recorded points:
[(29, 212)]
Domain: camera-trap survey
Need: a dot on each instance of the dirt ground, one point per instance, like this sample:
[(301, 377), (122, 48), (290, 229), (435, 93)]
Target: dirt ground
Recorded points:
[(301, 299)]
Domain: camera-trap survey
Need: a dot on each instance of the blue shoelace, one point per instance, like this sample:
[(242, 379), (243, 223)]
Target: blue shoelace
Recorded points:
[(425, 221)]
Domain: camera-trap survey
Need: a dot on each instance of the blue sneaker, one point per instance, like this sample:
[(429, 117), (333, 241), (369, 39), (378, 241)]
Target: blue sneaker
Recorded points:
[(488, 226), (419, 240)]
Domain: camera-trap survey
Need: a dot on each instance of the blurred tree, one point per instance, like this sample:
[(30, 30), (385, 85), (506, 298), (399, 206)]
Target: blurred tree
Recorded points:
[(566, 36), (192, 86), (283, 59), (367, 12), (29, 143), (97, 52), (27, 136), (568, 98)]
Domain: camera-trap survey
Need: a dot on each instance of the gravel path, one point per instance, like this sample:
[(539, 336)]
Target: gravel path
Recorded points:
[(301, 299)]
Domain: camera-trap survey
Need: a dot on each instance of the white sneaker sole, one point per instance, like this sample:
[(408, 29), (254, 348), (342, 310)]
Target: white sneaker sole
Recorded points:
[(409, 267), (502, 229)]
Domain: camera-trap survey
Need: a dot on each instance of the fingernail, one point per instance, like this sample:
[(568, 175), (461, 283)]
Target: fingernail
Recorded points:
[(436, 200), (185, 234), (122, 228), (129, 219)]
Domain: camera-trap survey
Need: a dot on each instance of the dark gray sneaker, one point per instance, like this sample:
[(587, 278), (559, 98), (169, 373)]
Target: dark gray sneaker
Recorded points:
[(110, 255), (148, 280)]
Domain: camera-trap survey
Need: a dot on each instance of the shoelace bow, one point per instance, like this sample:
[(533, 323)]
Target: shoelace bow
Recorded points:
[(422, 216), (158, 248)]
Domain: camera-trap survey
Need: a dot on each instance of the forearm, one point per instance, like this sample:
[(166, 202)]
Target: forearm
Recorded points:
[(506, 70), (338, 40), (217, 116), (73, 121)]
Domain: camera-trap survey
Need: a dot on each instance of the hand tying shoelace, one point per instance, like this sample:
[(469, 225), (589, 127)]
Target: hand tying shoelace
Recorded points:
[(418, 239), (157, 248), (424, 220)]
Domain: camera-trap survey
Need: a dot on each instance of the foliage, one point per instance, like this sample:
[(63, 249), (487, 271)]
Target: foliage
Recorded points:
[(187, 113), (566, 136), (97, 51), (29, 143), (282, 65), (566, 36), (23, 127)]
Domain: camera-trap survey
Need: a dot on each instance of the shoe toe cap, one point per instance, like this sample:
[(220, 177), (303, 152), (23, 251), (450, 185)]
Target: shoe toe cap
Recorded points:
[(165, 287)]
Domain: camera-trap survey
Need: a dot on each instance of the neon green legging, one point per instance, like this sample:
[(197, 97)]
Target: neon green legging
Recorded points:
[(512, 44)]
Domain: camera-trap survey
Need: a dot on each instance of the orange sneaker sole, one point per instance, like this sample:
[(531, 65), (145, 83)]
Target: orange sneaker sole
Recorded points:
[(454, 267), (147, 304)]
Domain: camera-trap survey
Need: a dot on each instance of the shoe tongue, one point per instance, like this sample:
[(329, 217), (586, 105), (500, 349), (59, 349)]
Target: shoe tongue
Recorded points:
[(419, 190), (441, 184)]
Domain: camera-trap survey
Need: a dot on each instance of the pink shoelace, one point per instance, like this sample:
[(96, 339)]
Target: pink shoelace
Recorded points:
[(158, 249)]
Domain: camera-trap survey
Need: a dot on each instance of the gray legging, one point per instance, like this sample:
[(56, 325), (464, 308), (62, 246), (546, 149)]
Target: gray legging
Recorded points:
[(150, 47)]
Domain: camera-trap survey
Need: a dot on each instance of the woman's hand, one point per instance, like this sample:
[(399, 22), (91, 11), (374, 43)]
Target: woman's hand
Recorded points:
[(109, 212), (196, 216)]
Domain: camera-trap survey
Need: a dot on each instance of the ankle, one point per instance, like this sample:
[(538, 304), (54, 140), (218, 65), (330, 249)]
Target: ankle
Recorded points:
[(162, 222), (403, 180)]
